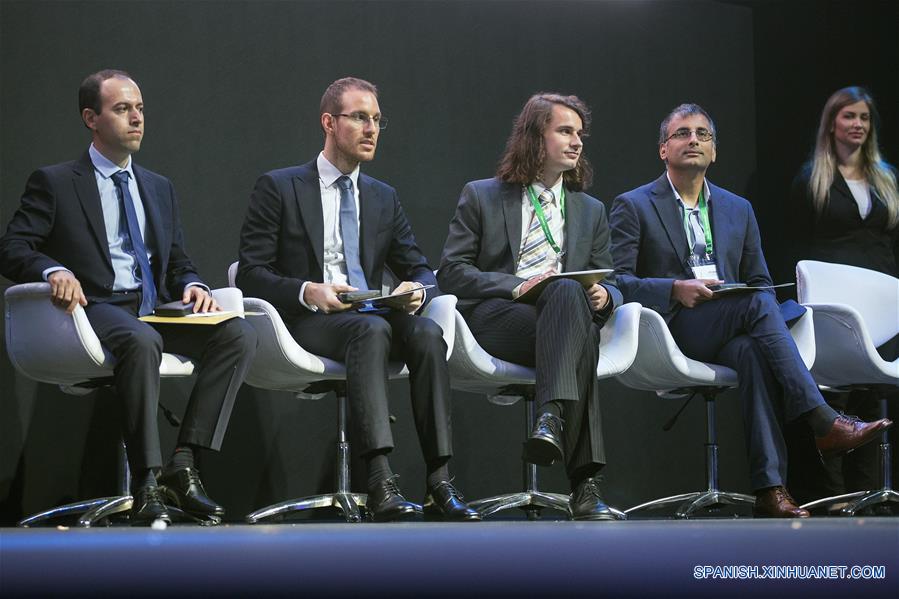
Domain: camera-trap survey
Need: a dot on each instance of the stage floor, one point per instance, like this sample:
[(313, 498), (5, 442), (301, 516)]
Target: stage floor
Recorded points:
[(635, 558)]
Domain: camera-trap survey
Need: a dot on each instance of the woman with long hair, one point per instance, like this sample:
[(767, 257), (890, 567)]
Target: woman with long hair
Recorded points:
[(845, 209)]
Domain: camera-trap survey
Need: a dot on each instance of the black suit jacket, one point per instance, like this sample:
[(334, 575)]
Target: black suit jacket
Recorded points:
[(282, 239), (60, 223), (839, 234), (650, 248), (481, 251)]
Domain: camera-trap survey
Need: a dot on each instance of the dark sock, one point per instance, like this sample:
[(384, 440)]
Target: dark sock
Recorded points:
[(378, 468), (553, 407), (821, 419), (142, 478), (438, 472), (183, 457), (583, 473)]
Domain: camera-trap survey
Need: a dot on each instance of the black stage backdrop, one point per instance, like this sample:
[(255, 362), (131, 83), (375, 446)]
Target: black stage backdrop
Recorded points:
[(232, 90)]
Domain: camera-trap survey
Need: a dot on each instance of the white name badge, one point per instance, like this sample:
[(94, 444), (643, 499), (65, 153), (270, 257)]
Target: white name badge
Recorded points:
[(705, 271)]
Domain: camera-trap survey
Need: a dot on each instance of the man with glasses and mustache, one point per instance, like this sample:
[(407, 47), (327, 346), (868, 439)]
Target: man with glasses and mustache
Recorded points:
[(673, 241), (318, 230), (509, 232)]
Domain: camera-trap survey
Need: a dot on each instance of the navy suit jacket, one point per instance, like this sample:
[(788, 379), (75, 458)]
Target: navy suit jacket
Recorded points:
[(481, 251), (650, 247), (60, 223), (282, 240)]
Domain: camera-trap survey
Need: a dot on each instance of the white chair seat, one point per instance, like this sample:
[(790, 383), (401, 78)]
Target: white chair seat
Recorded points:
[(660, 365)]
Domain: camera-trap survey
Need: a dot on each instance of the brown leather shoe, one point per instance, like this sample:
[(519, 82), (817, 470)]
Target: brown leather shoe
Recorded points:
[(848, 433), (776, 502)]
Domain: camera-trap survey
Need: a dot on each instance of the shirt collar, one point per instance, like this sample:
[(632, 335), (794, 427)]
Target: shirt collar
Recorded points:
[(106, 167), (705, 190), (538, 188), (328, 173)]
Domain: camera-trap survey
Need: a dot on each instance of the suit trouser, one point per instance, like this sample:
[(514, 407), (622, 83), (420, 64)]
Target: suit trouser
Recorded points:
[(224, 353), (365, 343), (746, 332), (559, 337)]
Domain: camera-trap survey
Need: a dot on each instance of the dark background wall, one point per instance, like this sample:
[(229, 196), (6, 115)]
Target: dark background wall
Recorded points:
[(232, 90)]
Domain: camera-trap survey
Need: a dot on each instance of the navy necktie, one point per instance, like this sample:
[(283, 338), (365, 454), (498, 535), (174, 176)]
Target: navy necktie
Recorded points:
[(349, 231), (139, 250)]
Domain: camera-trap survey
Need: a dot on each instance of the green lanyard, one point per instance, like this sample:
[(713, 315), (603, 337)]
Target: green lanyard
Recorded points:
[(704, 216), (538, 210)]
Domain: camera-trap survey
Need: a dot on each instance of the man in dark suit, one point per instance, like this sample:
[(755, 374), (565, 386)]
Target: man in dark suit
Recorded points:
[(508, 234), (677, 237), (323, 228), (105, 233)]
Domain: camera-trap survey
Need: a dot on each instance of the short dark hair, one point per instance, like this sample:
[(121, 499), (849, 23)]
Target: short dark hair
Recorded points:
[(89, 92), (525, 153), (684, 110), (331, 100)]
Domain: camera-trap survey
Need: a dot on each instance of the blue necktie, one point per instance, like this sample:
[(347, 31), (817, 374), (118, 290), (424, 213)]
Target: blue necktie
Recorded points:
[(699, 246), (139, 250), (349, 231)]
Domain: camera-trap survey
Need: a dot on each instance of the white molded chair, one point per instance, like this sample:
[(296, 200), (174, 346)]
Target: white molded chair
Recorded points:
[(472, 369), (660, 366), (281, 364), (856, 310), (48, 345)]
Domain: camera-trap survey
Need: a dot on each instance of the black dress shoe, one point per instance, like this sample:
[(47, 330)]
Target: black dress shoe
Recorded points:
[(587, 503), (386, 504), (184, 489), (147, 507), (544, 446), (444, 502)]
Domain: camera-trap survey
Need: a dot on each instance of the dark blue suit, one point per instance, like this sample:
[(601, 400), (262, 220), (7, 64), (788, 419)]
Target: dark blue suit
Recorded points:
[(60, 223), (282, 246), (745, 332)]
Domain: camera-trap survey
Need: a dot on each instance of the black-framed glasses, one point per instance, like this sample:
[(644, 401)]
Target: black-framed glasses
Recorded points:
[(702, 134), (360, 118)]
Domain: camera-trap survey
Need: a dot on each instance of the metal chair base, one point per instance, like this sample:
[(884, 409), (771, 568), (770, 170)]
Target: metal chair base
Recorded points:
[(349, 505), (692, 503), (532, 501), (343, 499), (856, 502), (89, 512)]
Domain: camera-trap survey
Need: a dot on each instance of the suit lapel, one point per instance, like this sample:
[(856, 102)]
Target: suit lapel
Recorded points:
[(510, 195), (666, 207), (309, 202), (86, 189), (577, 229), (370, 206), (721, 220)]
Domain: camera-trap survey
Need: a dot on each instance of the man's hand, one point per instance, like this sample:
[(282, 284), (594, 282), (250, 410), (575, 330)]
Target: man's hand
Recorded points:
[(65, 290), (324, 297), (526, 286), (409, 303), (203, 300), (692, 292), (599, 297)]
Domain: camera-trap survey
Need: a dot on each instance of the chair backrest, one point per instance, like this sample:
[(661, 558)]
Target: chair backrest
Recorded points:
[(618, 341), (874, 295), (232, 275)]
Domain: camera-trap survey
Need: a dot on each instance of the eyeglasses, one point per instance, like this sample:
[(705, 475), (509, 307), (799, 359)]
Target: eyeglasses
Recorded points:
[(360, 118), (702, 134)]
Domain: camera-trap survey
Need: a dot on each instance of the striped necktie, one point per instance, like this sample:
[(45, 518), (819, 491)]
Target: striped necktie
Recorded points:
[(535, 254)]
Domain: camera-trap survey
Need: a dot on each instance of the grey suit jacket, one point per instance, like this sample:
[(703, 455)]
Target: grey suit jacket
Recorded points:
[(650, 248), (481, 251)]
